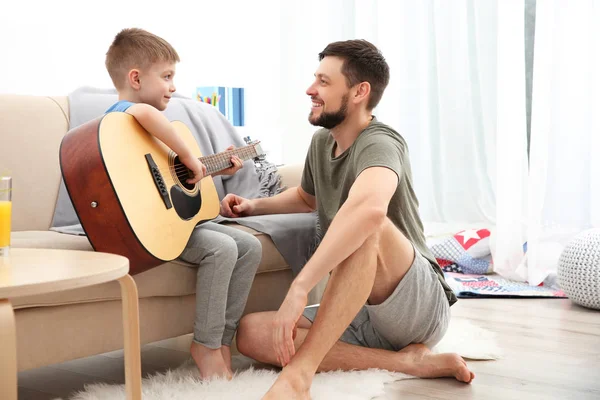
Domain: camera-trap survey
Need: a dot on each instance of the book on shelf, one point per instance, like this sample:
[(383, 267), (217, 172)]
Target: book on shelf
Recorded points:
[(229, 100)]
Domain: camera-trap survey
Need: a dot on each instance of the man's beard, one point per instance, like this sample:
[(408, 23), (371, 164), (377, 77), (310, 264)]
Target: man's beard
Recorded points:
[(332, 119)]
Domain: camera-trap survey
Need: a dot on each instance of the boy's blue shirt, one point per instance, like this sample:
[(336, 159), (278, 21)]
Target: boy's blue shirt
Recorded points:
[(121, 105)]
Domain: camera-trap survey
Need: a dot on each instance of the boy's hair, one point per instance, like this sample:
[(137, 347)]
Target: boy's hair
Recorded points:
[(363, 62), (136, 48)]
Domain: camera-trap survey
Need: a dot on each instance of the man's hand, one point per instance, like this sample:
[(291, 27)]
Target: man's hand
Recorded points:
[(284, 324), (234, 206), (237, 165), (196, 167)]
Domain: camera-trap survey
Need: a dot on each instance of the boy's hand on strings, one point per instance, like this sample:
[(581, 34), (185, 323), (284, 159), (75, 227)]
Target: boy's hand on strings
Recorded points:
[(237, 164), (197, 169)]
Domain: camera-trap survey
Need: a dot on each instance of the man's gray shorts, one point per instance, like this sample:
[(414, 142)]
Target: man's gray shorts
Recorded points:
[(416, 312)]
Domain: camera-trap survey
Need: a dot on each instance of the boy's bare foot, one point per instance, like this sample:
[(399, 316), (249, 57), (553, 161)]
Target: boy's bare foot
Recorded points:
[(290, 385), (429, 365), (210, 362), (226, 353)]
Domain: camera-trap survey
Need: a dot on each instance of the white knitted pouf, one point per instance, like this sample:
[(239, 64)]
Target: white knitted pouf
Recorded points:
[(579, 269)]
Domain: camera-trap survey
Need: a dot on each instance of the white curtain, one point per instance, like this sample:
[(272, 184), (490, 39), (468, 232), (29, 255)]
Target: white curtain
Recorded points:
[(563, 193), (509, 234), (442, 95), (457, 94), (441, 98)]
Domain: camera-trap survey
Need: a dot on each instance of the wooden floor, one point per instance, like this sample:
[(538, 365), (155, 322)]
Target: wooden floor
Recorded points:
[(552, 351)]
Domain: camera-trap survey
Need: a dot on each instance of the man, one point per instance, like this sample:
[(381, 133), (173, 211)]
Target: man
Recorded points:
[(386, 303)]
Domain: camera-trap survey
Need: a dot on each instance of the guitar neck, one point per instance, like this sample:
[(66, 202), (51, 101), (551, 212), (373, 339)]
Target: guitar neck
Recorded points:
[(220, 161)]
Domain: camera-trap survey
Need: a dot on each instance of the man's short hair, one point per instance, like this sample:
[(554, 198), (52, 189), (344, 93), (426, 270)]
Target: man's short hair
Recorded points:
[(363, 62), (136, 48)]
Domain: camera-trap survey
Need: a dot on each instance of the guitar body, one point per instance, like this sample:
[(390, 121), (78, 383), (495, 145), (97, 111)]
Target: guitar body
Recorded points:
[(129, 190)]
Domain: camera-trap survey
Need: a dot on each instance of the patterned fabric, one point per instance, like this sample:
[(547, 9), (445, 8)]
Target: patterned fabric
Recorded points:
[(579, 269), (466, 252), (269, 178), (494, 286)]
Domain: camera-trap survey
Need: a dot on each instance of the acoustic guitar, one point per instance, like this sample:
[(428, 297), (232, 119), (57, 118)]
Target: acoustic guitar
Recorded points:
[(130, 191)]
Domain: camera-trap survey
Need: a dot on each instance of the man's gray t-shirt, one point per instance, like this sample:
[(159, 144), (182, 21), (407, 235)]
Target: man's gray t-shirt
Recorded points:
[(330, 178)]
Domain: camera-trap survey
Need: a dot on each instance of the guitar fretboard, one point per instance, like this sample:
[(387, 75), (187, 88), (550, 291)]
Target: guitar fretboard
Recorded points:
[(218, 162)]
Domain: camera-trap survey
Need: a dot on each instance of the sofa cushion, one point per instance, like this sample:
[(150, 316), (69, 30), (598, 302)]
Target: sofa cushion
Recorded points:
[(175, 278), (32, 128), (49, 240), (291, 174)]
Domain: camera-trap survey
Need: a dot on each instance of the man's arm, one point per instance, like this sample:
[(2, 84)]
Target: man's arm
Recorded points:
[(361, 215), (293, 200)]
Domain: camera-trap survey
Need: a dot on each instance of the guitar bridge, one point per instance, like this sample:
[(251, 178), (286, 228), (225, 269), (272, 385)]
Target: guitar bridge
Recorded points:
[(158, 181)]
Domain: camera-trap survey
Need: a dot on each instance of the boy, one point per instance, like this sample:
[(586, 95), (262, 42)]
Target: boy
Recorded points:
[(142, 66)]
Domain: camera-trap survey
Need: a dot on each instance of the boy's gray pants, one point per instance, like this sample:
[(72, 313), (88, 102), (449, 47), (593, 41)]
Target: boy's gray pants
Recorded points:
[(227, 260)]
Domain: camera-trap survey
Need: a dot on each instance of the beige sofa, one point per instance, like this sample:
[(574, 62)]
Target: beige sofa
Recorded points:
[(78, 323)]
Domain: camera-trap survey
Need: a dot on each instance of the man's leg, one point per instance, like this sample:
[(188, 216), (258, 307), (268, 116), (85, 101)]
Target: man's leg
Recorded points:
[(254, 340), (372, 272), (350, 285)]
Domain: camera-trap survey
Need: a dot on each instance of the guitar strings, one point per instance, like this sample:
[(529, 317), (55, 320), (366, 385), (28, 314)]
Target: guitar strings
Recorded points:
[(212, 162), (221, 158), (171, 180), (212, 165), (180, 168)]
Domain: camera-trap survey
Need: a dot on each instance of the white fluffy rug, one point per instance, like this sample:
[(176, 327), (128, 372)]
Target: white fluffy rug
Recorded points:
[(183, 383)]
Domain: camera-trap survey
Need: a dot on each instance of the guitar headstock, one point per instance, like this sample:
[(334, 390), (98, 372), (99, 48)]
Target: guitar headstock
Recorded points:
[(256, 147)]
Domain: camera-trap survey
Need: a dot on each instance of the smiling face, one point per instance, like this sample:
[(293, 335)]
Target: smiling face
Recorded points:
[(329, 94), (156, 85)]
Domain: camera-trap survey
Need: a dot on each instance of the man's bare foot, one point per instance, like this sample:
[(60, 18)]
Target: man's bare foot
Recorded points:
[(226, 353), (429, 365), (290, 385), (210, 362)]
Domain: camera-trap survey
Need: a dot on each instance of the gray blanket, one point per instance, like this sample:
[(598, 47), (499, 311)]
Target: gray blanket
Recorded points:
[(293, 234)]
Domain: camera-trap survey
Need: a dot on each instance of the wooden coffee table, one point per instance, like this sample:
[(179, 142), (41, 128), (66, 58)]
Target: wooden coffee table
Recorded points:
[(38, 271)]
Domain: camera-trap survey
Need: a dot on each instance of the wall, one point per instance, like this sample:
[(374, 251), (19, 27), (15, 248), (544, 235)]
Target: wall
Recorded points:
[(270, 47), (51, 48)]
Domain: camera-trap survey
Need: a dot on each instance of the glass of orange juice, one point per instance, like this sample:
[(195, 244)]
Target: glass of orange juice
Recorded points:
[(5, 214)]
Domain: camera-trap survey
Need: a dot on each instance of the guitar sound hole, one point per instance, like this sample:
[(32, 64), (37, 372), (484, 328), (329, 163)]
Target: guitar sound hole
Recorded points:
[(183, 174)]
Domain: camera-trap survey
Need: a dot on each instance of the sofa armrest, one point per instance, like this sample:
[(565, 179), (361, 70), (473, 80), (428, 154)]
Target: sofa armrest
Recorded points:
[(290, 174)]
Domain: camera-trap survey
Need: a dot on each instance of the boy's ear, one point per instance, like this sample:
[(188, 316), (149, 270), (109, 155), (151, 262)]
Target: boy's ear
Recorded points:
[(133, 79)]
